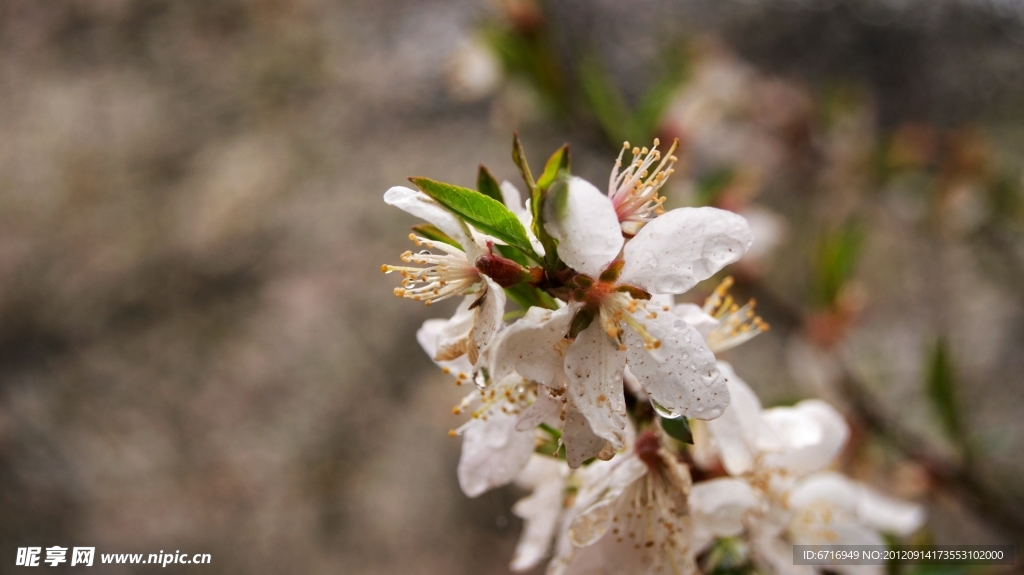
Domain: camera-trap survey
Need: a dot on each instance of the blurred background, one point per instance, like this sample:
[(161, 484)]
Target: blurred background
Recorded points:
[(199, 353)]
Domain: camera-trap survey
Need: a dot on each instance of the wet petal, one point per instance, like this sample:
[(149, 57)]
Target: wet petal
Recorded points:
[(489, 317), (583, 221), (696, 316), (532, 346), (579, 439), (681, 376), (682, 247), (423, 206), (545, 409), (430, 337), (590, 524), (493, 453), (594, 366)]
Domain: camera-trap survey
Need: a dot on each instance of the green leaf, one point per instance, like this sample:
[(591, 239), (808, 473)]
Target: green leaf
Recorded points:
[(941, 388), (519, 158), (431, 232), (557, 166), (527, 296), (488, 186), (677, 429), (482, 212)]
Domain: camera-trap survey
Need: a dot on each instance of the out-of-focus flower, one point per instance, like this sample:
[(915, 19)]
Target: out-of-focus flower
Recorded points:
[(827, 508), (781, 452), (541, 511), (474, 71)]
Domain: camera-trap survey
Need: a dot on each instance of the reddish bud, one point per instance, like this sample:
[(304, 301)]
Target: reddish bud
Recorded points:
[(504, 271)]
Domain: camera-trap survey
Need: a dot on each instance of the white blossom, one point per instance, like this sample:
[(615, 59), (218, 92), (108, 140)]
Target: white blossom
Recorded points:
[(669, 358)]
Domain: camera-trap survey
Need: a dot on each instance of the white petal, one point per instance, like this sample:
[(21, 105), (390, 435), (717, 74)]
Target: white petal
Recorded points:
[(594, 366), (579, 439), (682, 247), (720, 507), (545, 409), (453, 337), (812, 432), (887, 514), (423, 206), (774, 555), (681, 376), (590, 524), (511, 195), (531, 346), (430, 336), (736, 433), (837, 490), (583, 221), (513, 199), (493, 453), (489, 317), (540, 511), (694, 315)]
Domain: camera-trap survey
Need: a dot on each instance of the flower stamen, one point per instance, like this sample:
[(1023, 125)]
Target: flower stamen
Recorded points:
[(736, 324), (634, 190), (447, 274)]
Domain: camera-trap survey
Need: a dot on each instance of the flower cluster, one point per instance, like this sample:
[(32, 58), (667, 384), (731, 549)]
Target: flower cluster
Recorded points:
[(585, 392)]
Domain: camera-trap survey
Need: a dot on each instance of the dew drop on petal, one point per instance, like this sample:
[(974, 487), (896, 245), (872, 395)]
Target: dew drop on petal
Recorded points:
[(664, 411)]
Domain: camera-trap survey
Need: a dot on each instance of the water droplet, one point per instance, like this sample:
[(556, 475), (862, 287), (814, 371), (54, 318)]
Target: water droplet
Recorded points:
[(686, 356), (664, 411)]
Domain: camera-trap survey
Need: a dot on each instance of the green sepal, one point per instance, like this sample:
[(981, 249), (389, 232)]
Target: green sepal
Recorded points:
[(633, 291), (557, 166), (431, 232), (611, 273), (678, 429), (488, 186), (581, 321), (482, 212), (537, 198)]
